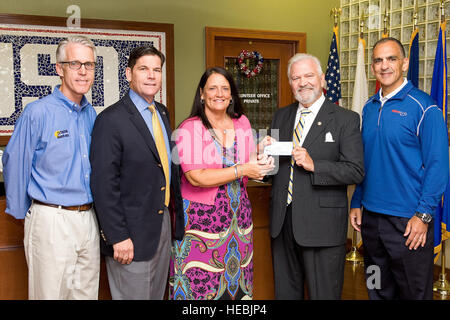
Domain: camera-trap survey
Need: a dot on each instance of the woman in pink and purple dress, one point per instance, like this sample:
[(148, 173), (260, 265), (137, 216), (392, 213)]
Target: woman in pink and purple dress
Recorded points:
[(217, 156)]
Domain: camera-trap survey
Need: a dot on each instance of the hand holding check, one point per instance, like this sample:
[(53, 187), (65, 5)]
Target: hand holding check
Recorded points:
[(286, 148)]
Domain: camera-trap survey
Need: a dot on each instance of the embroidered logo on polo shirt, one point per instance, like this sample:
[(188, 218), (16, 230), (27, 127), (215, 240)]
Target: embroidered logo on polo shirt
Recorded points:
[(61, 134), (401, 113)]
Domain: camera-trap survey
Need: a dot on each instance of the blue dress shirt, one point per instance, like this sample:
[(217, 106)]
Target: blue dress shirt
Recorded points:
[(142, 106), (47, 157)]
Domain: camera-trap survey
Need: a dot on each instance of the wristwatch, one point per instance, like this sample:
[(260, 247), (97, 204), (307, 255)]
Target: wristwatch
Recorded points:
[(425, 217)]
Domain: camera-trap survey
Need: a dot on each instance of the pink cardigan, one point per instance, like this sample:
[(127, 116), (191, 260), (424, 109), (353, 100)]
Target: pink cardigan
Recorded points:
[(196, 150)]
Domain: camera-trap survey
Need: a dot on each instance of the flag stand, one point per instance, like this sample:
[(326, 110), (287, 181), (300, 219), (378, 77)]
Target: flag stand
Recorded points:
[(360, 96), (354, 256), (441, 285)]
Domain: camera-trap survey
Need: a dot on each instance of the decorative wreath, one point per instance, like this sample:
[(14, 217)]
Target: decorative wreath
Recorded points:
[(252, 55)]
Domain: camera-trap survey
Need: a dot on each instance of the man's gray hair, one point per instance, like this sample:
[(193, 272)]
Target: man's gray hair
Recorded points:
[(303, 56), (61, 50)]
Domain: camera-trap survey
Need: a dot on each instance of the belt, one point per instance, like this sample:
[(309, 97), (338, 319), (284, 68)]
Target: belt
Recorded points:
[(83, 207)]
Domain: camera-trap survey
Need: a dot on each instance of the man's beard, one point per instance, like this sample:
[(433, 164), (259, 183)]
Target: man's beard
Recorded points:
[(310, 97)]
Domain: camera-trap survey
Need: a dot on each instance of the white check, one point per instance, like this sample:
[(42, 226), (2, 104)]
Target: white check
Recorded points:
[(279, 148)]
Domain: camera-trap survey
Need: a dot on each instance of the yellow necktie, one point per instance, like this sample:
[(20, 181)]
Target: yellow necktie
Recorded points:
[(296, 141), (162, 150)]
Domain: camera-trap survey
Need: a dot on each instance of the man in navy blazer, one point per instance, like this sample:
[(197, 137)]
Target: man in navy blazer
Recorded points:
[(309, 230), (128, 184)]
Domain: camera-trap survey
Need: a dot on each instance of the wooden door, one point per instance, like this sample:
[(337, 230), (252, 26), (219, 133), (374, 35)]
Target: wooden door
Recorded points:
[(223, 45)]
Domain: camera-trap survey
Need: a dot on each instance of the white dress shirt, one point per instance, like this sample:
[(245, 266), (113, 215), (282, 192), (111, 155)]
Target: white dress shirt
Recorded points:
[(309, 118)]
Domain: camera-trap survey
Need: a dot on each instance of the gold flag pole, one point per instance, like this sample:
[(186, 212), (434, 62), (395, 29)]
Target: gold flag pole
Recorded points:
[(361, 26), (386, 24), (336, 12), (442, 285), (415, 15), (353, 255)]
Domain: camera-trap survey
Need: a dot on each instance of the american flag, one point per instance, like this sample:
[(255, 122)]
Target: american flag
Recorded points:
[(333, 76)]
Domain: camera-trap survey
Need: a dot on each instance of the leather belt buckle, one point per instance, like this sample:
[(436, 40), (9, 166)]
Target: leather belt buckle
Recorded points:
[(82, 207)]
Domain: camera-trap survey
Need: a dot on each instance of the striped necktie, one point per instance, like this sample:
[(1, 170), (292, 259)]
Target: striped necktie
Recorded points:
[(296, 142), (162, 150)]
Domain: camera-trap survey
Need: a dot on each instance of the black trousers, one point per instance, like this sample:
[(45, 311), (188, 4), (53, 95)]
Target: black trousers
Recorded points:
[(321, 268), (403, 274)]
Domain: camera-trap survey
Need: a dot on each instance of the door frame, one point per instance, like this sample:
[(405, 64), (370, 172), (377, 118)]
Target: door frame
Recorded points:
[(295, 40), (298, 39)]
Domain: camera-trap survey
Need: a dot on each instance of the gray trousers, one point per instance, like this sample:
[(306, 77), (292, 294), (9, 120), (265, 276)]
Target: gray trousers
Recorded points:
[(142, 280)]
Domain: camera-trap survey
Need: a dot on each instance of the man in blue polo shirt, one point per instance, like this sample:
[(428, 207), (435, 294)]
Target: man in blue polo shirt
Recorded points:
[(47, 177), (406, 165)]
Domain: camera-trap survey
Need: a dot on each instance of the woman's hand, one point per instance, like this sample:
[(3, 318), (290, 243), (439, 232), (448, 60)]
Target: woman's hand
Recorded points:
[(258, 166), (268, 140)]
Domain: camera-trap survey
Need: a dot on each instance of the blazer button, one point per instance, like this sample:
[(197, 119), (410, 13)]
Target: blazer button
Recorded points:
[(103, 235), (163, 188), (160, 211)]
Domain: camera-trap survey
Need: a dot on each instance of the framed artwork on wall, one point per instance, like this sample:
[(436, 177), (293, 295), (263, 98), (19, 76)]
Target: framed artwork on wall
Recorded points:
[(27, 65)]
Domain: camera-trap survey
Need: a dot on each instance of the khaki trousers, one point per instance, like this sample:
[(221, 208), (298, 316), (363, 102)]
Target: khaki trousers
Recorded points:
[(62, 250)]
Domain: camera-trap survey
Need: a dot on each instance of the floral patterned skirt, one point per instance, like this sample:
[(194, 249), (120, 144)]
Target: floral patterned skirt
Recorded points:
[(215, 258)]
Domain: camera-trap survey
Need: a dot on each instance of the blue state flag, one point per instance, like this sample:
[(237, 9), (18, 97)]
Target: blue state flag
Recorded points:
[(439, 94), (413, 70)]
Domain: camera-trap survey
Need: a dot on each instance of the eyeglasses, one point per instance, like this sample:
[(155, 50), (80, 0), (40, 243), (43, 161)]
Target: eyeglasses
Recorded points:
[(76, 65)]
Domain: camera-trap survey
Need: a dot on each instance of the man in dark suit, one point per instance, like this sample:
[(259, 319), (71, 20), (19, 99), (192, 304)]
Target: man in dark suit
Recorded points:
[(133, 182), (309, 191)]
